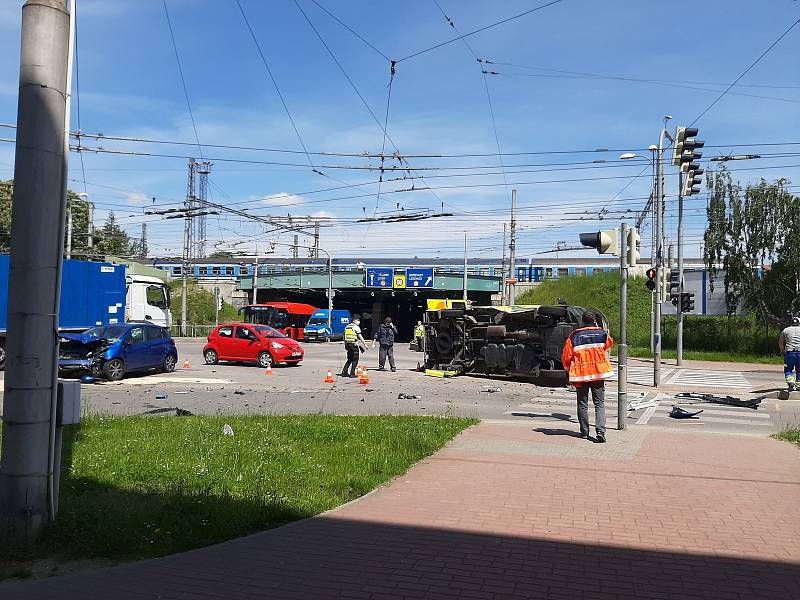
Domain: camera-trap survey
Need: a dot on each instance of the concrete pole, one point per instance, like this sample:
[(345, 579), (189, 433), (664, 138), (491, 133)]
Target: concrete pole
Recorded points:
[(659, 199), (187, 224), (512, 291), (90, 225), (465, 284), (330, 291), (37, 242), (679, 333), (216, 306), (316, 239), (622, 348)]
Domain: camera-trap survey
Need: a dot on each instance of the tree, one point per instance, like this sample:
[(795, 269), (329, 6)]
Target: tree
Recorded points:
[(80, 220), (112, 239), (751, 236)]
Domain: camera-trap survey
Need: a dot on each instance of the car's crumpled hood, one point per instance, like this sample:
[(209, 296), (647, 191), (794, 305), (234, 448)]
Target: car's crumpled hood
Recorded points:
[(80, 345)]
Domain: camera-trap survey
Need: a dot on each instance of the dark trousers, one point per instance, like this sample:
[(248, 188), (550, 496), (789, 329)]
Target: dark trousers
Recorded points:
[(598, 397), (352, 360), (386, 350)]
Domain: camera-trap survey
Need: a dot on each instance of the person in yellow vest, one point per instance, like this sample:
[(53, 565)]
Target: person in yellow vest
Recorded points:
[(419, 335), (354, 344)]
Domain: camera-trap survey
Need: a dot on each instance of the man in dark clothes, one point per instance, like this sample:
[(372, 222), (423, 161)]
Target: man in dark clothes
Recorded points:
[(385, 337)]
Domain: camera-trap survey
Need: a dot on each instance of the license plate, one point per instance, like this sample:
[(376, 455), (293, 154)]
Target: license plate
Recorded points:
[(295, 354)]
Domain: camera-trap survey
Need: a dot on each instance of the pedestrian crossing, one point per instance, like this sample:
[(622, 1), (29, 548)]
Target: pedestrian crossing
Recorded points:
[(642, 374), (709, 379), (561, 407)]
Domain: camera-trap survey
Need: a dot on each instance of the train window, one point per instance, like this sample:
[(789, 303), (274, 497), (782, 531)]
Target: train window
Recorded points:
[(177, 271), (580, 271), (203, 271), (228, 270), (216, 270), (563, 271), (244, 270)]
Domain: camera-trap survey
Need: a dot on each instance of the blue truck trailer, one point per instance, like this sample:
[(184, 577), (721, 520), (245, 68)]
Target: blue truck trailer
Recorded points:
[(92, 293)]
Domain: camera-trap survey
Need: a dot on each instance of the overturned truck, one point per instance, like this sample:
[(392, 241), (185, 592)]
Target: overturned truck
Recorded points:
[(522, 341)]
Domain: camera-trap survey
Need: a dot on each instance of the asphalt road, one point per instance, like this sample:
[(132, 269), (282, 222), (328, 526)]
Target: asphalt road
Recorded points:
[(246, 389)]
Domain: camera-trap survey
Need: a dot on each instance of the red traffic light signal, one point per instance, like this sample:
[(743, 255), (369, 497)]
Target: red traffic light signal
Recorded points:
[(650, 284)]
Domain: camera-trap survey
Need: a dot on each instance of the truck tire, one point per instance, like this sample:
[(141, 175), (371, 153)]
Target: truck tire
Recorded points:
[(114, 370)]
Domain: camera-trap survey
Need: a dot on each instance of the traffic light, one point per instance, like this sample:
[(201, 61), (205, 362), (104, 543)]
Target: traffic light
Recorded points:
[(687, 302), (604, 241), (685, 154), (650, 284), (674, 285), (633, 247)]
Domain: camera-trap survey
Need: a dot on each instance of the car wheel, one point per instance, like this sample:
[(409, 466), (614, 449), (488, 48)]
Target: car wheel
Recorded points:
[(114, 370), (169, 363), (211, 357), (264, 359)]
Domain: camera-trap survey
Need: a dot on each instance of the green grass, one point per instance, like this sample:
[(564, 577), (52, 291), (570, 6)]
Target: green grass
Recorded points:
[(790, 435), (143, 487), (709, 356), (737, 339)]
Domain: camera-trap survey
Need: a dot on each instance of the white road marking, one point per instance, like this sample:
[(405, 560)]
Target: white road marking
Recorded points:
[(709, 379), (645, 418), (179, 380)]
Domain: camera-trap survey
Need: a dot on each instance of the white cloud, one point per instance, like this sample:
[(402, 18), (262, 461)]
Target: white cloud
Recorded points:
[(137, 199), (283, 199)]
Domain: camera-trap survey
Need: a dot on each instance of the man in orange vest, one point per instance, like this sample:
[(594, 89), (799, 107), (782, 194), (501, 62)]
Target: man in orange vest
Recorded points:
[(585, 357)]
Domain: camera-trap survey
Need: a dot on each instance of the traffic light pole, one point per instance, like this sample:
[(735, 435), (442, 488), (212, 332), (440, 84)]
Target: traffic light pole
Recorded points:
[(659, 260), (622, 348), (679, 334)]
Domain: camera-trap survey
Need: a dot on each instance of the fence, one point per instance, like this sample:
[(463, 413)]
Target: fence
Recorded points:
[(198, 331)]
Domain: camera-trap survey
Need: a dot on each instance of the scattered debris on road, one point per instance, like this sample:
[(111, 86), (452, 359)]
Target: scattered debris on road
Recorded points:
[(238, 392), (753, 403), (679, 413), (178, 412), (161, 396), (642, 403), (402, 396), (490, 390), (227, 429)]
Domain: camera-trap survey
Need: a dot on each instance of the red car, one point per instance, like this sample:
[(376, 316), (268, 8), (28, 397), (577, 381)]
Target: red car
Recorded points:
[(256, 343)]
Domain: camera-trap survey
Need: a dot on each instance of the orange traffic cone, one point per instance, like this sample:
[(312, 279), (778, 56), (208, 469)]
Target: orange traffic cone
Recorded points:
[(363, 378), (269, 370), (359, 368), (329, 377), (186, 364)]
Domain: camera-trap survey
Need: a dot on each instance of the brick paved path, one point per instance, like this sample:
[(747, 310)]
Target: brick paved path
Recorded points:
[(506, 511)]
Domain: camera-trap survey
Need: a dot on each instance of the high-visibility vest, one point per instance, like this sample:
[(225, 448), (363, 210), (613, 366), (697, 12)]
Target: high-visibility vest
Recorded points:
[(350, 335), (584, 355), (419, 331)]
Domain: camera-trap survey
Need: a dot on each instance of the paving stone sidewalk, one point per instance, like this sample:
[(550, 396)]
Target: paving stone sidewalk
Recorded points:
[(511, 511)]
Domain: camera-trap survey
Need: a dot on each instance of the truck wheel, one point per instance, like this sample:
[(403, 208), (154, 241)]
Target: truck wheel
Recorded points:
[(2, 357), (211, 357), (114, 370), (169, 363), (264, 360)]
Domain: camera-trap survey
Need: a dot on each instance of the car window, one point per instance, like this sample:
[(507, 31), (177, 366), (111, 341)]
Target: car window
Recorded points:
[(225, 332), (153, 333), (269, 331), (137, 334), (243, 333)]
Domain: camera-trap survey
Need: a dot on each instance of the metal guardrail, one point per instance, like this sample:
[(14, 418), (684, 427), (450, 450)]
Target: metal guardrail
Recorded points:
[(191, 330)]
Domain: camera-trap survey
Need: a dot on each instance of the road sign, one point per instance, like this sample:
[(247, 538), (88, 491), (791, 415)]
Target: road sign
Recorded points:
[(511, 281), (399, 281), (419, 278), (379, 277)]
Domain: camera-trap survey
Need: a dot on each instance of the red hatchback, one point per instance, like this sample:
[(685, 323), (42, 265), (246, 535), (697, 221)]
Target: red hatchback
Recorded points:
[(251, 343)]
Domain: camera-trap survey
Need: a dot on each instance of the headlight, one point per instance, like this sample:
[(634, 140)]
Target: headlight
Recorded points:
[(277, 345)]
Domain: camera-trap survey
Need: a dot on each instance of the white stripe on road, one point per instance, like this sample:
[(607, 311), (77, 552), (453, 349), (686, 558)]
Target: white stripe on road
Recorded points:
[(643, 420), (712, 379)]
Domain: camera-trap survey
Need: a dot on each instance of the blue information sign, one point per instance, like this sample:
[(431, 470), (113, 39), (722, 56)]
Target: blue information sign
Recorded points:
[(419, 278), (379, 277)]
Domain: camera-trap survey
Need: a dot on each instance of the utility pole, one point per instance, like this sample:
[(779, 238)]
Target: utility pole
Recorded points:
[(295, 247), (216, 306), (465, 267), (37, 250), (622, 348), (190, 206), (202, 169), (503, 269), (255, 277), (316, 239), (512, 270)]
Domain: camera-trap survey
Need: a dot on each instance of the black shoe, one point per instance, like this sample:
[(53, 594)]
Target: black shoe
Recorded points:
[(601, 438), (381, 369), (393, 369), (343, 375)]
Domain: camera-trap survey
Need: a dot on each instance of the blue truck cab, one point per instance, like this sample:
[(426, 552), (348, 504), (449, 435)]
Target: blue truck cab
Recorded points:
[(316, 330)]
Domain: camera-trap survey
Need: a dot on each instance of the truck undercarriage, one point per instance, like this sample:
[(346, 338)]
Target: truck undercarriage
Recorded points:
[(519, 341)]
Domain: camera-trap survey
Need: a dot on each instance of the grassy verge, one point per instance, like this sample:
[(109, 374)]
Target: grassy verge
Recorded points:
[(708, 355), (790, 435), (142, 487)]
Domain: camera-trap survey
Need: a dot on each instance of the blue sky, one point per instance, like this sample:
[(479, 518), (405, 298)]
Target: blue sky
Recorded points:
[(558, 89)]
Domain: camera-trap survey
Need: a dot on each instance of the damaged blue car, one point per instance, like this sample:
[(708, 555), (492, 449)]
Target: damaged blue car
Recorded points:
[(111, 351)]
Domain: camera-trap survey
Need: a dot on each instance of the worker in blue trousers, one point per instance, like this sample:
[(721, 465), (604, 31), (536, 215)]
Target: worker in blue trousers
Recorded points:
[(789, 343)]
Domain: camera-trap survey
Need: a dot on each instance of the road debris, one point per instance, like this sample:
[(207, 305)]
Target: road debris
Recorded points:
[(161, 396), (679, 413), (490, 390), (178, 412), (402, 396), (753, 403), (642, 403)]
